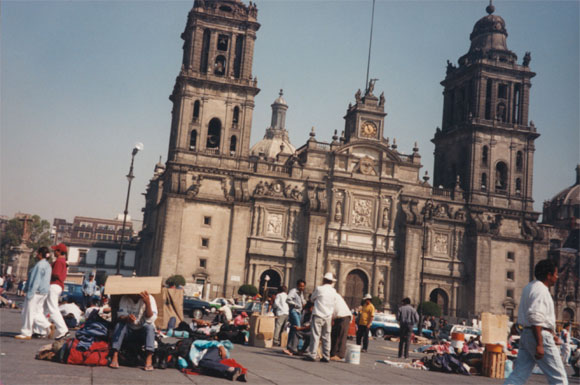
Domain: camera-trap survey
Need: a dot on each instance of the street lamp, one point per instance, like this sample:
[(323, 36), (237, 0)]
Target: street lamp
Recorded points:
[(421, 283), (138, 147)]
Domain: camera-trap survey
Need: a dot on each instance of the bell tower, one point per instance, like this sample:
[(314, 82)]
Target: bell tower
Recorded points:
[(365, 119), (213, 97), (485, 138)]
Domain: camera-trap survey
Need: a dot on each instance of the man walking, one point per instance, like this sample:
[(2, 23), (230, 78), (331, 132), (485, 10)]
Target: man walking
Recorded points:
[(340, 325), (36, 290), (365, 320), (295, 302), (57, 278), (89, 289), (281, 310), (407, 317), (324, 298), (538, 339)]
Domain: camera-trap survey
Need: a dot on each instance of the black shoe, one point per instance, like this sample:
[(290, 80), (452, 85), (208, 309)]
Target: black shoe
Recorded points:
[(363, 351), (308, 358), (233, 376), (242, 378), (324, 360), (39, 336)]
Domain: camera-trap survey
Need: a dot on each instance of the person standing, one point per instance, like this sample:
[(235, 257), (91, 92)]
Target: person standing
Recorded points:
[(281, 310), (340, 325), (365, 320), (295, 302), (36, 291), (89, 289), (324, 298), (57, 278), (565, 348), (538, 339), (407, 317)]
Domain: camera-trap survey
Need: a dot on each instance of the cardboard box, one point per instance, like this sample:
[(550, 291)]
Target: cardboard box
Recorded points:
[(169, 304), (261, 330), (494, 328), (117, 284)]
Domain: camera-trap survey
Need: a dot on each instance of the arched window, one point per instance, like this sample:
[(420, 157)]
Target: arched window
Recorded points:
[(214, 133), (196, 107), (483, 181), (204, 52), (484, 155), (220, 66), (518, 186), (238, 56), (233, 144), (193, 140), (236, 117), (501, 176), (519, 161)]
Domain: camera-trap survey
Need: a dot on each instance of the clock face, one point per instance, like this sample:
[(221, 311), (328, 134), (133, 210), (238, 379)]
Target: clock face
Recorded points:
[(368, 130)]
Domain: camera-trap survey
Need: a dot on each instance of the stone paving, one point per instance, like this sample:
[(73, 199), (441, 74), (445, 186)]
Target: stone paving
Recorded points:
[(266, 366)]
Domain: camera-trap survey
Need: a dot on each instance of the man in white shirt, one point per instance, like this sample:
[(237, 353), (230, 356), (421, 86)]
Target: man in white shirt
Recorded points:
[(340, 325), (324, 298), (71, 313), (135, 318), (281, 310), (538, 340)]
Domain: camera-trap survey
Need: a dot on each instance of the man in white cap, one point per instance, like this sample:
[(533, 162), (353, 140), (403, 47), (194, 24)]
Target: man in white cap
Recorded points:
[(324, 298), (365, 319)]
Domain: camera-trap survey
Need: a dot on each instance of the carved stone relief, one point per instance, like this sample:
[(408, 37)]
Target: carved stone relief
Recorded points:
[(362, 212), (274, 224), (367, 166), (440, 243), (278, 189)]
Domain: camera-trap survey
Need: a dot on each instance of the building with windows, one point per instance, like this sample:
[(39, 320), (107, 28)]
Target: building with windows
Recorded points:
[(93, 245), (223, 212)]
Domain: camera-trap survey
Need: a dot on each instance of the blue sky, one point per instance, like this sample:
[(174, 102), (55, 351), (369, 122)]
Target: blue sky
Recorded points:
[(82, 81)]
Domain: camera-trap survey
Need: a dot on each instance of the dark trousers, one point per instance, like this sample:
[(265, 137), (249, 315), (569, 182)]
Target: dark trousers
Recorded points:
[(293, 337), (362, 334), (404, 340), (211, 364), (145, 334), (338, 336)]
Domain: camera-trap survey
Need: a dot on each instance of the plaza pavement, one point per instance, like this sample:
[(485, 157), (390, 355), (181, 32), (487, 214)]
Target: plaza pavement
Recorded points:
[(265, 366)]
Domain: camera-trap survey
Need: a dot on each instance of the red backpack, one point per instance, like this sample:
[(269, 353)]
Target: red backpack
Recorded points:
[(95, 356)]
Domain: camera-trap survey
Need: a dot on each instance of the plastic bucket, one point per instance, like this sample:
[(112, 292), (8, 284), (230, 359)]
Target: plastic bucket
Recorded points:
[(458, 336), (352, 354)]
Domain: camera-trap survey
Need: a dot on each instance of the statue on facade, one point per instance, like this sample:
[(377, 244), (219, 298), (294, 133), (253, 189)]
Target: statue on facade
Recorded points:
[(338, 212), (259, 190), (357, 96), (385, 218), (382, 99), (527, 59)]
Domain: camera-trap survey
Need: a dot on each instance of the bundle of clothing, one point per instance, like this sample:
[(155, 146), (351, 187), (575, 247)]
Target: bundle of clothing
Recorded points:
[(446, 363)]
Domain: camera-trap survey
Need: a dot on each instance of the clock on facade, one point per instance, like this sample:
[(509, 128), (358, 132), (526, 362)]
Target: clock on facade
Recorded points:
[(369, 130)]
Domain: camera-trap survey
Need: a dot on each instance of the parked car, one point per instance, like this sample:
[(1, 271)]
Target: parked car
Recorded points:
[(468, 331), (251, 307), (74, 291), (386, 324), (217, 303), (195, 307)]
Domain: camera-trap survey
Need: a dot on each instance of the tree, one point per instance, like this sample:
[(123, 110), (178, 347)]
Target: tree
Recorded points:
[(39, 235), (377, 302), (250, 290), (429, 308), (175, 280)]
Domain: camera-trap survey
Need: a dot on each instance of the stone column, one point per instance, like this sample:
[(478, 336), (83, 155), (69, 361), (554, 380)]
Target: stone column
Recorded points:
[(387, 299), (339, 287), (455, 295), (253, 276), (376, 279)]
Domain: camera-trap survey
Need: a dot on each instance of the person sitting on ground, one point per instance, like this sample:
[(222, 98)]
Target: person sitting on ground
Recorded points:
[(224, 315), (71, 313), (207, 355), (136, 319), (302, 332), (241, 321), (93, 305)]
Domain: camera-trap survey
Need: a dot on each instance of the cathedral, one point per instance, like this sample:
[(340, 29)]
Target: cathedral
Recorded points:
[(224, 212)]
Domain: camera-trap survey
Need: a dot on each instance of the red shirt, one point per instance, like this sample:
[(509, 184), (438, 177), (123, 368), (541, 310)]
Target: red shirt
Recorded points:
[(58, 272)]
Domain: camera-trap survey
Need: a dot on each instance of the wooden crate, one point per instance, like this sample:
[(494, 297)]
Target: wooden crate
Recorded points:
[(493, 364)]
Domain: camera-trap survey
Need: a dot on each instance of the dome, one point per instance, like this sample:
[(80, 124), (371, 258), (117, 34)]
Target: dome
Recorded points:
[(565, 205), (280, 99), (274, 143)]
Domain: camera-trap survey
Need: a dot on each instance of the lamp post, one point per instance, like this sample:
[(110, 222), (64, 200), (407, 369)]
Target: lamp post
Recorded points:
[(421, 277), (138, 147)]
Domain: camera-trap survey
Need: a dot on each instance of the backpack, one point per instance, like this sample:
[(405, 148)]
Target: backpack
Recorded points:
[(96, 355)]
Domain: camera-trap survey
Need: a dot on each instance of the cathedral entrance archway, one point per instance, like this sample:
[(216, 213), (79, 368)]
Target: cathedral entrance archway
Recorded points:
[(440, 297), (273, 283), (357, 285), (568, 315)]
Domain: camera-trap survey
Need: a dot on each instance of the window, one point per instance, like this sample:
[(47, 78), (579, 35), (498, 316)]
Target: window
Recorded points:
[(519, 161), (236, 117), (214, 133), (483, 181), (501, 176), (193, 140), (222, 43), (207, 221), (488, 99), (500, 113), (200, 281), (511, 256), (196, 108), (238, 56), (516, 104), (510, 275), (509, 293), (233, 144), (220, 66), (101, 257), (82, 257), (204, 52), (205, 243), (502, 91), (484, 155), (518, 186), (202, 263), (86, 225)]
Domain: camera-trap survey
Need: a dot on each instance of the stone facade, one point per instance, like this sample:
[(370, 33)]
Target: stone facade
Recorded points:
[(356, 206)]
